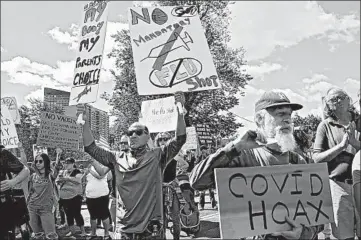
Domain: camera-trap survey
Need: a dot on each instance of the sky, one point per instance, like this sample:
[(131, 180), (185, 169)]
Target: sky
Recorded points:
[(302, 48)]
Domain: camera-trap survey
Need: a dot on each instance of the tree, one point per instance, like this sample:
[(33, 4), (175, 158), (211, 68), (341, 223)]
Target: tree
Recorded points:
[(29, 128), (309, 123), (203, 107)]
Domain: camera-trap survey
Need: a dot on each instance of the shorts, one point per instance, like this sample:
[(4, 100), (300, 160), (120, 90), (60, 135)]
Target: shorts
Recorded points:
[(98, 207)]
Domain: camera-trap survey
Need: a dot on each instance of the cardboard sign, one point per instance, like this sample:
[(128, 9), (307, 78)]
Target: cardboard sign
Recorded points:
[(58, 130), (204, 135), (170, 50), (192, 139), (39, 150), (12, 105), (159, 115), (255, 201), (89, 56), (9, 136)]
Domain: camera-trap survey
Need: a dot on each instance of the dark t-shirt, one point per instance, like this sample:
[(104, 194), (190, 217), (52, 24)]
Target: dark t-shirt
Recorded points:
[(8, 164)]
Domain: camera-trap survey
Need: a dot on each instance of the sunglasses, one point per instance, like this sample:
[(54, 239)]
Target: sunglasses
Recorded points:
[(124, 143), (163, 139), (39, 161), (139, 132)]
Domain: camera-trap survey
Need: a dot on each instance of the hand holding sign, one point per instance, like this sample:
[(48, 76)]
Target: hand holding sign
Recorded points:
[(295, 233), (180, 101)]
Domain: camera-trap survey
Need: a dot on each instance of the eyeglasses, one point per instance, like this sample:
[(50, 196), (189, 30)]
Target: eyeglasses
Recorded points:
[(38, 161), (139, 132), (124, 143), (163, 139), (338, 99)]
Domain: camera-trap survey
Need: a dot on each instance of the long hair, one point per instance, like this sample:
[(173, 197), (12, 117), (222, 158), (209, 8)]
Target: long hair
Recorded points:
[(328, 108), (47, 163)]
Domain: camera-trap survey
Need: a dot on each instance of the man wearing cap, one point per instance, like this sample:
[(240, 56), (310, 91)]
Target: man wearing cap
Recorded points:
[(139, 177), (274, 146)]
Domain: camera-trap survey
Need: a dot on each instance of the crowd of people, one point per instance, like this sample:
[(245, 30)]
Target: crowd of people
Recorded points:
[(125, 190)]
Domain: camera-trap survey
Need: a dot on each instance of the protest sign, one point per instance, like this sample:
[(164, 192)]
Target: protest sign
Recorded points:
[(255, 201), (9, 136), (12, 105), (170, 50), (159, 115), (89, 55), (204, 135), (58, 130), (39, 150), (192, 140)]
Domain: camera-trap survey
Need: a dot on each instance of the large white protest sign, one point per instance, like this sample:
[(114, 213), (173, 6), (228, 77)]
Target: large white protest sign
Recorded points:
[(255, 201), (159, 115), (12, 105), (57, 130), (89, 55), (9, 136), (170, 51)]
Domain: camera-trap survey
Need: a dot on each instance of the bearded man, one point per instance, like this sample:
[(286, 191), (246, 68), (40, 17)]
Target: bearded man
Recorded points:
[(272, 144)]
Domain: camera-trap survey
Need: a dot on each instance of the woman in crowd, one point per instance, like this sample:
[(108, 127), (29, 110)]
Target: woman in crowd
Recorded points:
[(97, 200), (70, 186), (41, 197), (336, 144)]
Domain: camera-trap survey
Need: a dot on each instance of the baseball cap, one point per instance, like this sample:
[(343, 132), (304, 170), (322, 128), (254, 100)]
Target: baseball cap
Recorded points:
[(274, 99)]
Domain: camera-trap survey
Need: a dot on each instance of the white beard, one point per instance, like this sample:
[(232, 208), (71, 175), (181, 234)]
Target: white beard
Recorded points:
[(286, 141)]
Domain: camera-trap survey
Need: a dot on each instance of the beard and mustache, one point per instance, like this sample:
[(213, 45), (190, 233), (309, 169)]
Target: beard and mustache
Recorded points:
[(285, 140)]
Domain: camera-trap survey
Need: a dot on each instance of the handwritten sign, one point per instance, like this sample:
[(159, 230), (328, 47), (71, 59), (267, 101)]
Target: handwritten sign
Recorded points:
[(170, 51), (9, 136), (204, 135), (254, 201), (192, 139), (90, 53), (57, 130), (159, 115), (12, 105), (39, 150)]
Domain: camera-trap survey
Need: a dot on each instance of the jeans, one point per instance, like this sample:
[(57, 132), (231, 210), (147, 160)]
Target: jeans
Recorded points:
[(42, 220)]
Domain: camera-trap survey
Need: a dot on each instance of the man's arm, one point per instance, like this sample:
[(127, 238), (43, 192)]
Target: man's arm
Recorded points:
[(101, 155), (171, 149), (202, 176), (99, 168)]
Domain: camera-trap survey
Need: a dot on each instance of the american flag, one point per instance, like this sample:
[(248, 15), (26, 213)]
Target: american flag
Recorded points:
[(103, 143)]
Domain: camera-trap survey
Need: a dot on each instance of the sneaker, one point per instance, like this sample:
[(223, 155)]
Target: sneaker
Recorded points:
[(107, 238), (61, 226)]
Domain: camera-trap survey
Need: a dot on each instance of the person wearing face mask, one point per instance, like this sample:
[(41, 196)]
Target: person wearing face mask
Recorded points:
[(139, 176), (336, 143), (71, 191), (271, 144)]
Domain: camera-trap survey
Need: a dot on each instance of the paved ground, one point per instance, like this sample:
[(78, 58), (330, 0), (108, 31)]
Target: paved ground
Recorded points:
[(209, 224)]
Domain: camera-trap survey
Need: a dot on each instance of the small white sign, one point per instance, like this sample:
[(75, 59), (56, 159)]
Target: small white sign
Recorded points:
[(9, 136)]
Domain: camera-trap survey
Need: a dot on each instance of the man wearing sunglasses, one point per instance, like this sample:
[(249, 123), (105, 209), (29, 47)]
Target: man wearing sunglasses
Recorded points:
[(139, 176)]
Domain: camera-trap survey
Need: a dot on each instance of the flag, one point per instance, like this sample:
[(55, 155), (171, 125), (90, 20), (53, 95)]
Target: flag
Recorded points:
[(103, 143)]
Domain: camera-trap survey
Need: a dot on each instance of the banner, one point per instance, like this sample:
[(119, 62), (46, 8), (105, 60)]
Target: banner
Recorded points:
[(159, 115), (89, 55), (39, 150), (204, 135), (12, 105), (192, 139), (9, 136), (58, 130), (170, 50), (255, 201)]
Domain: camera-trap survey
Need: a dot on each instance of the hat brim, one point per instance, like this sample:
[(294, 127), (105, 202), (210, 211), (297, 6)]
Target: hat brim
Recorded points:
[(294, 106)]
